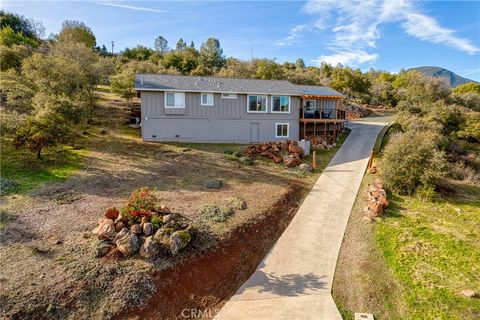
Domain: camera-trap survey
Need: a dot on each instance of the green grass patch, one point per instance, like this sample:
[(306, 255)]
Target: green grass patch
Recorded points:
[(433, 249), (28, 172)]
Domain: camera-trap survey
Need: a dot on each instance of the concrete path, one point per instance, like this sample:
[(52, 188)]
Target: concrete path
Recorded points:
[(294, 281)]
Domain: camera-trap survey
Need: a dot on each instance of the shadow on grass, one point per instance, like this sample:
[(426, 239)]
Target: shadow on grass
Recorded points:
[(394, 206)]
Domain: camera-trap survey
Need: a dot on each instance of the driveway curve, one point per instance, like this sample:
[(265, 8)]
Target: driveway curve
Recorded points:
[(294, 280)]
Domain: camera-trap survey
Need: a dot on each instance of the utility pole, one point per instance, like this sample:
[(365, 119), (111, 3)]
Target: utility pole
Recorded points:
[(113, 43)]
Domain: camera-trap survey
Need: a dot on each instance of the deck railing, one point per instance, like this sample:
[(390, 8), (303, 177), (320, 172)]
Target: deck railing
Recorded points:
[(325, 114)]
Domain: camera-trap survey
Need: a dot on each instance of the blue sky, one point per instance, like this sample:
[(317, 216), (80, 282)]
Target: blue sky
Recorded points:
[(383, 34)]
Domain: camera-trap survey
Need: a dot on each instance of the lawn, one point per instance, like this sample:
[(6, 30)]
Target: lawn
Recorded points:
[(415, 261), (28, 172)]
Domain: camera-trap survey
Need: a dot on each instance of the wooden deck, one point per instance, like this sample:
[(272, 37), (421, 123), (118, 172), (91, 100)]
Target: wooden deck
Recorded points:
[(310, 120)]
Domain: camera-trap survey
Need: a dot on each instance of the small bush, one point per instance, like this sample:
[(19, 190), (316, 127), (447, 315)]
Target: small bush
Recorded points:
[(246, 161), (461, 171), (157, 221), (215, 212), (425, 193), (141, 203), (411, 160), (236, 203)]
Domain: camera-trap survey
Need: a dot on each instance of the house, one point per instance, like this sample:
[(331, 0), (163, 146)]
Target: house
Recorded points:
[(212, 109)]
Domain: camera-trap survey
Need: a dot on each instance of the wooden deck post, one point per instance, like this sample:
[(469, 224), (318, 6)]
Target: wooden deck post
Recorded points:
[(304, 130), (334, 131), (325, 131), (314, 133)]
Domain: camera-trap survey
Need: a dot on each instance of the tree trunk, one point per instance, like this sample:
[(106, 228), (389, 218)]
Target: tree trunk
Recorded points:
[(39, 153)]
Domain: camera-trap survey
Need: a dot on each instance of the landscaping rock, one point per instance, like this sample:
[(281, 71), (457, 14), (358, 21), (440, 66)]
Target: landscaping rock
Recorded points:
[(111, 213), (105, 230), (164, 209), (305, 167), (163, 235), (277, 160), (213, 183), (136, 229), (149, 248), (103, 248), (468, 293), (147, 229), (292, 160), (179, 240), (119, 226), (6, 184), (120, 235), (292, 148), (167, 218), (129, 244)]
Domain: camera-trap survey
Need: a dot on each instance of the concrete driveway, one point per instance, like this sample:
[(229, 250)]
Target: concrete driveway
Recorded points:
[(294, 281)]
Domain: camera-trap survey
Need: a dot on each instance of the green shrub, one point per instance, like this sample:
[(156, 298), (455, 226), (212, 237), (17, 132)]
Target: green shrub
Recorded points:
[(141, 203), (215, 212), (246, 161), (156, 220), (425, 193), (236, 203), (411, 160)]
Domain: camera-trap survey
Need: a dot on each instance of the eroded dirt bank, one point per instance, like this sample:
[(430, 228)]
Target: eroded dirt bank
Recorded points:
[(202, 284)]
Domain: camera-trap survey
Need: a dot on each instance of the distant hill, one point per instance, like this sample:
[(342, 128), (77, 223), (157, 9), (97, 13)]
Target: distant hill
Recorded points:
[(437, 72)]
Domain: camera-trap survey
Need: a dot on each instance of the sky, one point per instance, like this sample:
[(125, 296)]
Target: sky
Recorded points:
[(382, 34)]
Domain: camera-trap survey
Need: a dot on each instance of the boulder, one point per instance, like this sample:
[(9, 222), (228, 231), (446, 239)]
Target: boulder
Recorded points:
[(372, 170), (164, 209), (376, 208), (149, 248), (277, 159), (468, 293), (136, 229), (111, 213), (179, 240), (167, 218), (105, 230), (292, 160), (163, 235), (295, 149), (119, 226), (305, 167), (147, 229), (129, 244), (122, 233), (102, 248), (213, 183)]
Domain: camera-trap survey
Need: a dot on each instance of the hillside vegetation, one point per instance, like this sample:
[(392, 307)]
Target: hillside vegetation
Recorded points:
[(451, 77)]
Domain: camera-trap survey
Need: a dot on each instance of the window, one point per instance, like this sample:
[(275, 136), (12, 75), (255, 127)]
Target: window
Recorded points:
[(207, 99), (257, 104), (281, 130), (175, 100), (281, 104), (229, 96)]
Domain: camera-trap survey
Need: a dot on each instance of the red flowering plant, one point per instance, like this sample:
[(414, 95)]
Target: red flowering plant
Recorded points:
[(141, 204)]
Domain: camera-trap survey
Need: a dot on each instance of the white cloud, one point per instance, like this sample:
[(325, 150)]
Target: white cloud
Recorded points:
[(351, 58), (355, 28), (427, 29), (292, 36), (126, 6)]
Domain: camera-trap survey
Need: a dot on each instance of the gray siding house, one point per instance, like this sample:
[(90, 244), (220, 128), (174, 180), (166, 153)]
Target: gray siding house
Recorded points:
[(209, 109)]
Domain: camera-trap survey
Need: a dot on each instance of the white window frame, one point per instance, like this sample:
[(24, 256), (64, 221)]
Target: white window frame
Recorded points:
[(289, 104), (207, 104), (227, 95), (175, 93), (257, 95), (282, 124)]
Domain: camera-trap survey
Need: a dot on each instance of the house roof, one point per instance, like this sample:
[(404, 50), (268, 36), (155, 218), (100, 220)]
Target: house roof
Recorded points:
[(167, 82)]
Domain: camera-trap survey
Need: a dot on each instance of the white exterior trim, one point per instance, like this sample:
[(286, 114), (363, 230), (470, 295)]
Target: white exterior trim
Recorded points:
[(174, 107), (207, 104), (288, 129), (289, 104), (257, 95)]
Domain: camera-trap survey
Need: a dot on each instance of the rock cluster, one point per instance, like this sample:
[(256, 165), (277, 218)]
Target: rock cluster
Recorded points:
[(324, 143), (288, 152), (377, 199), (159, 234)]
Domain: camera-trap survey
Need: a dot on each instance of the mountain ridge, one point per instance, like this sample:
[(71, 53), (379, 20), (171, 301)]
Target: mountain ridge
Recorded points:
[(438, 72)]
